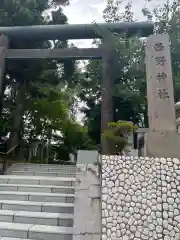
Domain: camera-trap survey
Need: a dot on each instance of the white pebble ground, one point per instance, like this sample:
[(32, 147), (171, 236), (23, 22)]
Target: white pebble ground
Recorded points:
[(140, 198)]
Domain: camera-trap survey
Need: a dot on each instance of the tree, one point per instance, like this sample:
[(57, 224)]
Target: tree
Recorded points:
[(61, 2), (37, 101), (117, 135), (167, 17), (23, 73)]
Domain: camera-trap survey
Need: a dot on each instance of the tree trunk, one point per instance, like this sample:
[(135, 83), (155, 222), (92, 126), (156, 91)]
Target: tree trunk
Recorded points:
[(49, 156), (18, 112), (3, 50)]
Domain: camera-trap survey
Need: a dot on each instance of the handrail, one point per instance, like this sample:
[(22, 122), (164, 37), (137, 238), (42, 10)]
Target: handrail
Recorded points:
[(5, 161), (9, 150)]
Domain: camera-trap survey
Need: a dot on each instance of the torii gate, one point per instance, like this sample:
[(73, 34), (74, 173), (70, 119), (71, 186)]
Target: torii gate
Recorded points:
[(66, 32)]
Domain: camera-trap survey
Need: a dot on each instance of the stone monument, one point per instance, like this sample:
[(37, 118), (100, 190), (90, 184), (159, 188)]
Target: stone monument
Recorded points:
[(162, 139)]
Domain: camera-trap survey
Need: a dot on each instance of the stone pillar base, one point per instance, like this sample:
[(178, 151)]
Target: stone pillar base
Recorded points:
[(162, 144), (87, 205)]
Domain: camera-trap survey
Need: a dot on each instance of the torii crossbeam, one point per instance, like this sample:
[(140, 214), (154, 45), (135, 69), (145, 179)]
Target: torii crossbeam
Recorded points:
[(75, 31)]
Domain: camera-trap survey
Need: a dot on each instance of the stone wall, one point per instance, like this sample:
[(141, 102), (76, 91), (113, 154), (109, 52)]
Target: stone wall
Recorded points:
[(87, 207), (140, 198)]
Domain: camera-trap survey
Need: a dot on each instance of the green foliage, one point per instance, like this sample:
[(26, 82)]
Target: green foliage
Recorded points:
[(41, 94), (167, 17), (117, 135), (73, 137)]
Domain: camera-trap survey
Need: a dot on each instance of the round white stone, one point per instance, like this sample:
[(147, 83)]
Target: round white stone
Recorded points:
[(131, 221), (171, 215), (151, 227), (137, 216), (177, 172), (122, 196), (105, 190), (128, 198), (121, 177), (125, 238), (166, 232), (172, 233), (118, 202), (103, 205), (122, 225), (176, 161), (170, 201), (120, 189), (126, 186), (144, 218), (138, 193), (116, 195), (118, 233), (148, 211), (131, 192), (132, 228), (121, 213), (110, 184), (159, 229), (170, 163), (173, 185), (109, 225), (165, 206), (170, 227), (167, 238), (137, 234), (176, 212), (125, 170), (104, 237), (109, 219), (125, 209), (119, 209), (117, 183), (108, 232), (165, 215), (113, 229), (134, 187), (114, 190), (109, 207), (134, 199)]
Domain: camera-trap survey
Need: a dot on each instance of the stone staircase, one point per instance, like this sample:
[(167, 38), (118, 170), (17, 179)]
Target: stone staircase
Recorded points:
[(37, 202)]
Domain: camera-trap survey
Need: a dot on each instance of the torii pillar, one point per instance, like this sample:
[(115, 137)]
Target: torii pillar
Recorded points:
[(107, 92)]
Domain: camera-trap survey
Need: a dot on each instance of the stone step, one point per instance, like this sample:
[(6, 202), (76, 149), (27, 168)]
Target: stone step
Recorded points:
[(37, 180), (35, 196), (34, 173), (42, 169), (37, 188), (52, 207), (32, 165), (37, 202), (11, 238), (38, 232), (45, 218)]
